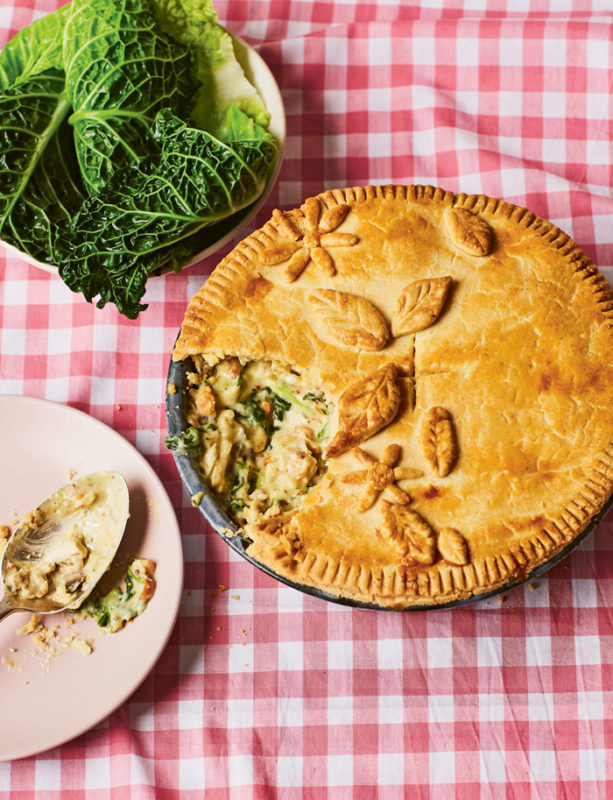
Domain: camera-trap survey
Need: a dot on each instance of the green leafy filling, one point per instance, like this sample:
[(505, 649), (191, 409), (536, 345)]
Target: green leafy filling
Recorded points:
[(319, 399), (129, 137), (235, 503), (323, 432), (253, 413), (112, 610), (284, 389), (186, 443), (279, 405)]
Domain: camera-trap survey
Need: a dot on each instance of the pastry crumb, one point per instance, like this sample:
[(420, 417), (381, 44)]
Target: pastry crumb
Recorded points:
[(196, 499), (172, 389), (48, 643), (5, 535), (223, 587), (531, 587), (71, 474), (502, 599), (82, 645), (118, 407), (236, 597), (31, 626)]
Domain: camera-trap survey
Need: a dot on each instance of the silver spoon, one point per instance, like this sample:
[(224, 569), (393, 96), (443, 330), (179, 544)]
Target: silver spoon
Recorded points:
[(62, 548)]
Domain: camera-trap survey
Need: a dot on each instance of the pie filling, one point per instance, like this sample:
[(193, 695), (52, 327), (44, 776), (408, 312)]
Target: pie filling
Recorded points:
[(257, 433), (75, 553)]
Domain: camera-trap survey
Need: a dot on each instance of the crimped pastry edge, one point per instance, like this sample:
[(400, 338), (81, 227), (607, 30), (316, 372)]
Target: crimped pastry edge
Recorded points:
[(394, 586)]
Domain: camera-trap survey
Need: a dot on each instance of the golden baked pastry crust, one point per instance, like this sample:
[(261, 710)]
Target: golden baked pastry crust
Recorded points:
[(466, 346)]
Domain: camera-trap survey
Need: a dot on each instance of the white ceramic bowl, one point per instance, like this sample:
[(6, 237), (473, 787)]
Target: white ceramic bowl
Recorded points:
[(258, 72)]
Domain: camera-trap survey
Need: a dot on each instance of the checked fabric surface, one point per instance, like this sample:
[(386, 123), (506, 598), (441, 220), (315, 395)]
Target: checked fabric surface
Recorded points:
[(264, 692)]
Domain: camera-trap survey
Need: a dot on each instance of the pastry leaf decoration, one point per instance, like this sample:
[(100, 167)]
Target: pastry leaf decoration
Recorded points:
[(419, 305), (279, 253), (468, 232), (438, 441), (410, 532), (364, 408), (452, 546), (349, 319), (380, 476), (311, 243), (285, 225)]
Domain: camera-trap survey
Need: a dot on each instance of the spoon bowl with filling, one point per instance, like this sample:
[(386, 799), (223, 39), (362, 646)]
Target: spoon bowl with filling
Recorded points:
[(64, 546)]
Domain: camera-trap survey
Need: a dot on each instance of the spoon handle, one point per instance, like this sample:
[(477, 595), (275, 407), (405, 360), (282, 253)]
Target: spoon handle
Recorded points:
[(5, 609)]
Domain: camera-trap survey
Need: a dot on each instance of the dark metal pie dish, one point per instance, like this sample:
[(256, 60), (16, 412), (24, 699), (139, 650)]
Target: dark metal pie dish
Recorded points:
[(230, 532)]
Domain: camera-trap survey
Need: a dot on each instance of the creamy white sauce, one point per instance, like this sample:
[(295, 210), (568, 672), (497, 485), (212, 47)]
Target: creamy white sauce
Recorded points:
[(91, 513), (262, 434), (125, 602)]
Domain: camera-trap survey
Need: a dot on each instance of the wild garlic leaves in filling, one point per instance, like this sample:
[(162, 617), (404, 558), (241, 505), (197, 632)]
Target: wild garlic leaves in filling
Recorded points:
[(258, 434)]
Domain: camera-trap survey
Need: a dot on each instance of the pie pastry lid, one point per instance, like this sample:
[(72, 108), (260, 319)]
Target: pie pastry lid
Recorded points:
[(465, 345)]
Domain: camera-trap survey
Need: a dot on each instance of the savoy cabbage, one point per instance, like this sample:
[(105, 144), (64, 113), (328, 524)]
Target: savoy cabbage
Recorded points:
[(128, 135)]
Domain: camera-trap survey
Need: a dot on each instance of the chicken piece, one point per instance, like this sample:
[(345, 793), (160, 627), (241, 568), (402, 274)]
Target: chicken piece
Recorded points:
[(204, 401), (217, 456), (144, 568)]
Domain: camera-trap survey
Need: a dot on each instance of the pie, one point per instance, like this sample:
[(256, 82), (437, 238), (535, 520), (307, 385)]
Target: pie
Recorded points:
[(402, 396)]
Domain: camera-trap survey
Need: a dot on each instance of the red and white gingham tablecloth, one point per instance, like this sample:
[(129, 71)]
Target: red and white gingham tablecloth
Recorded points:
[(513, 700)]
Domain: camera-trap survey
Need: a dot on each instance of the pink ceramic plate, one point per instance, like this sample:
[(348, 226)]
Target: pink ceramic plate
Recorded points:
[(42, 706)]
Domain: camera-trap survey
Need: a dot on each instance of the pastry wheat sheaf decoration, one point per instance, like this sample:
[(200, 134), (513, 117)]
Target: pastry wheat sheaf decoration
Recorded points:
[(438, 441), (364, 408), (420, 304), (349, 319), (380, 476), (468, 232), (312, 242)]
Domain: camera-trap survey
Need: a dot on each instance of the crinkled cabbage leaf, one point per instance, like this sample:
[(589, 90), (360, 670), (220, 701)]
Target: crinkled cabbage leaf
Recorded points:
[(119, 73), (128, 133), (131, 224), (40, 185)]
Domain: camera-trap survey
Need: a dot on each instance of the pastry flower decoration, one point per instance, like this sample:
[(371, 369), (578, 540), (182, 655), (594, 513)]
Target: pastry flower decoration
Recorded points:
[(312, 243), (380, 476)]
